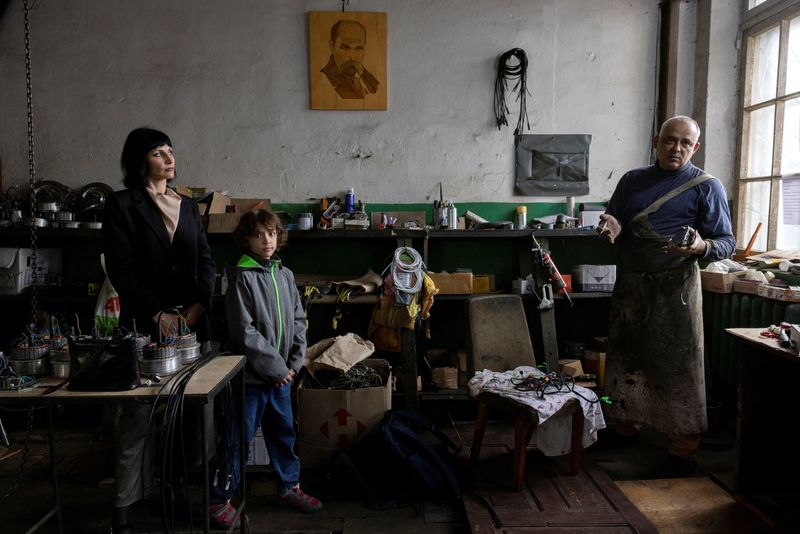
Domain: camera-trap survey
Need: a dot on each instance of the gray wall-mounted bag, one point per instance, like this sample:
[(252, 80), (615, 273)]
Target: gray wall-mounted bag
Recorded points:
[(552, 165)]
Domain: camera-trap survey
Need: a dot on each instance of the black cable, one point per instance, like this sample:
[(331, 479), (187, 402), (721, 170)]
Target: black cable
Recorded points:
[(549, 384), (518, 73), (174, 406)]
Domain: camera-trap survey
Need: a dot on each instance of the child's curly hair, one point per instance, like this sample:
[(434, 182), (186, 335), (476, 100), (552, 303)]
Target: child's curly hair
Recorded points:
[(250, 220)]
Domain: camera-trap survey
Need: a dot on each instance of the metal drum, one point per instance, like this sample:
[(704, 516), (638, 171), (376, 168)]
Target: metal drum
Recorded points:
[(38, 367), (161, 367), (189, 354)]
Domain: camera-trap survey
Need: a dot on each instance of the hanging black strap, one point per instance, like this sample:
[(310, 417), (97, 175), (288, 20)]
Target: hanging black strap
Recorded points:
[(518, 72)]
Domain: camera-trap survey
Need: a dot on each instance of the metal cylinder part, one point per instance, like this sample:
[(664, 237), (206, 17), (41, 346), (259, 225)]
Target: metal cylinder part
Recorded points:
[(186, 341), (30, 367), (189, 354), (153, 351), (160, 367), (60, 369), (29, 353), (60, 355), (45, 207)]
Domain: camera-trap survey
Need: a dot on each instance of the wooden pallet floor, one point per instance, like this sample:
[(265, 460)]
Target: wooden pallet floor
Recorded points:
[(552, 500)]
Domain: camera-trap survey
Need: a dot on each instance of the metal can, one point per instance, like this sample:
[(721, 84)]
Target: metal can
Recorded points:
[(522, 217), (305, 221)]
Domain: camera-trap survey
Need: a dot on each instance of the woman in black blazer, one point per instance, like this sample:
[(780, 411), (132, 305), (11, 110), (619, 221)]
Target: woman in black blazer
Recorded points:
[(157, 258)]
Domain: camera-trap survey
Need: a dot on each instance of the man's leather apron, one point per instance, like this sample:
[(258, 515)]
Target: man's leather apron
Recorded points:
[(654, 368)]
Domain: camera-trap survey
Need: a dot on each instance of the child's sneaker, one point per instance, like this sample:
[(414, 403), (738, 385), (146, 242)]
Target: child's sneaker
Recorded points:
[(223, 516), (300, 501)]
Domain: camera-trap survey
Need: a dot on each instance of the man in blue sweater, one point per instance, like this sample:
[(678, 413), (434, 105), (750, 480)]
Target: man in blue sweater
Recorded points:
[(662, 219)]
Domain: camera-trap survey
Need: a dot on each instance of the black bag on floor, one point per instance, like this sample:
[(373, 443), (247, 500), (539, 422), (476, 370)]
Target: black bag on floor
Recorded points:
[(395, 464), (430, 458)]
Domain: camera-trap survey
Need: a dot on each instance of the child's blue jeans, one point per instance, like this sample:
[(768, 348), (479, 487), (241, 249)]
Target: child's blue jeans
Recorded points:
[(271, 407)]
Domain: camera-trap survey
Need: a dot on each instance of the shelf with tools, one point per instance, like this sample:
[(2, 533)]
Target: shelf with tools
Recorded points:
[(505, 254)]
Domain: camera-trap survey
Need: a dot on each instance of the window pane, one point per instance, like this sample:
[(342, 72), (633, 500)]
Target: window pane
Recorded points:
[(790, 156), (788, 234), (753, 3), (793, 58), (762, 129), (756, 210), (765, 65)]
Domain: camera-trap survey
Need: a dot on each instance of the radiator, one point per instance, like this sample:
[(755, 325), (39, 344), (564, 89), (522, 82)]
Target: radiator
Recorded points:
[(731, 310)]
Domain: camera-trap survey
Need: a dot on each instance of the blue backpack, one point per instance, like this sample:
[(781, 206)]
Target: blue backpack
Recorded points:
[(432, 464)]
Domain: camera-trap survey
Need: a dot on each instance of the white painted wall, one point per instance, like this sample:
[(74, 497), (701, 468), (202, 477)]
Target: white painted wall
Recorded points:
[(228, 81)]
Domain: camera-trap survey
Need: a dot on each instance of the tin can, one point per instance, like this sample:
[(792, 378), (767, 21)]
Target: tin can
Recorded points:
[(305, 221), (522, 217)]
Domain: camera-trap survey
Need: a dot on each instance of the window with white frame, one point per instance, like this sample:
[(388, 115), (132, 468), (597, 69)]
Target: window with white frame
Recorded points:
[(769, 155)]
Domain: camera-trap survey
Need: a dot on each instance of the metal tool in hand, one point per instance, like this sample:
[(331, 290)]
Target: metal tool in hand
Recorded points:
[(552, 272)]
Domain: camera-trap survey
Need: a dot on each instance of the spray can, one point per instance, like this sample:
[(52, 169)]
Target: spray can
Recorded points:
[(349, 200), (522, 217), (452, 216)]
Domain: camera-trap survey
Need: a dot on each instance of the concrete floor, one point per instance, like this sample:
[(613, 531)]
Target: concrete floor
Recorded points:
[(85, 466)]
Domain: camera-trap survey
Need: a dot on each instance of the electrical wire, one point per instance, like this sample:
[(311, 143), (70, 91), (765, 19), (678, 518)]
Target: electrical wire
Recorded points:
[(549, 384), (519, 74), (407, 270), (174, 389)]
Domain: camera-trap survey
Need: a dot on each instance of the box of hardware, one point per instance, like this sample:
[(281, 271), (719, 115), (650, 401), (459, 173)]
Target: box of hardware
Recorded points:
[(335, 414), (16, 269), (594, 278), (718, 282), (453, 283)]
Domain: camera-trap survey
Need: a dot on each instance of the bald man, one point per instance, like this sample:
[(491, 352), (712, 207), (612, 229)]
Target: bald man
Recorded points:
[(662, 219), (345, 69)]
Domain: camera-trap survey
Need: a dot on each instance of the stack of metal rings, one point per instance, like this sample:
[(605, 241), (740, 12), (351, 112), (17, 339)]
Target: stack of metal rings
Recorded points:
[(158, 359), (32, 361), (188, 347), (59, 356)]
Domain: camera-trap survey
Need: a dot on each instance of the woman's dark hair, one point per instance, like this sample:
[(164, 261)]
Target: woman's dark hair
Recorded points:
[(250, 220), (134, 155)]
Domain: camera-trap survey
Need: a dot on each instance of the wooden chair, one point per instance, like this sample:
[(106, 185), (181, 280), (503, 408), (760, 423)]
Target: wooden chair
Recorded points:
[(499, 340)]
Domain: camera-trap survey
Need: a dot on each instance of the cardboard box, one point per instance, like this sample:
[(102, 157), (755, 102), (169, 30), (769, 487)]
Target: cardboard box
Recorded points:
[(482, 283), (224, 223), (445, 377), (749, 287), (453, 283), (331, 420), (16, 271), (594, 277), (786, 294), (214, 202), (257, 453), (718, 282), (570, 367), (595, 363)]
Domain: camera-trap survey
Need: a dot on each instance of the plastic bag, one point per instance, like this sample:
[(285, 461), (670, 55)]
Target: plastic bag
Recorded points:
[(106, 310)]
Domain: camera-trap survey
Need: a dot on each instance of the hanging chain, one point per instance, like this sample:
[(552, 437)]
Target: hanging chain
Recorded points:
[(31, 164), (24, 462)]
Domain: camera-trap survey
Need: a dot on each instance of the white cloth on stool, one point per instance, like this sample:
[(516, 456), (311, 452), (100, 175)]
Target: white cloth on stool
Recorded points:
[(552, 435)]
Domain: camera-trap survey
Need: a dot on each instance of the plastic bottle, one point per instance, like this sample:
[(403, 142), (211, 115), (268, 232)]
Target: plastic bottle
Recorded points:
[(349, 200)]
